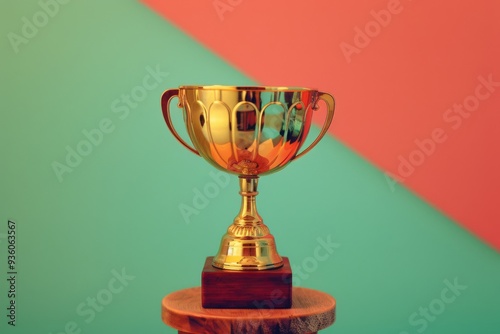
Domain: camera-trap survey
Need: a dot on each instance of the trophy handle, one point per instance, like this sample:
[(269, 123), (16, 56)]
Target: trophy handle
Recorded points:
[(330, 102), (165, 107)]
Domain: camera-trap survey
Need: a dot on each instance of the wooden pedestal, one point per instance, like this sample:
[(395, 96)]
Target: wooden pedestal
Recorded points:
[(264, 289), (311, 311)]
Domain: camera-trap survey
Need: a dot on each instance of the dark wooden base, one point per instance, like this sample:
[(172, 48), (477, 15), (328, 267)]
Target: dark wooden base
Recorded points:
[(257, 289)]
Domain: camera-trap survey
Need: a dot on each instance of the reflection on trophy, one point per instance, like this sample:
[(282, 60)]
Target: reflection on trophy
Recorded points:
[(249, 132)]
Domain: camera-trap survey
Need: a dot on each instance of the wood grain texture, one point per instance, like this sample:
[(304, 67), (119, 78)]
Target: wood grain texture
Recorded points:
[(311, 311), (246, 289)]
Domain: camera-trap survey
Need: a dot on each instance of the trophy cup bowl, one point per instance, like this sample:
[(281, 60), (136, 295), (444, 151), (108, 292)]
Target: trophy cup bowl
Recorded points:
[(249, 132)]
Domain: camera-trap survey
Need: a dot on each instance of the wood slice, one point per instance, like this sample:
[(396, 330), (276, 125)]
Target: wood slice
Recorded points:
[(311, 311)]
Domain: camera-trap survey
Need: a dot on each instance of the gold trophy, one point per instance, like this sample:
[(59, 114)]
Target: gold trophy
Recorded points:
[(249, 132)]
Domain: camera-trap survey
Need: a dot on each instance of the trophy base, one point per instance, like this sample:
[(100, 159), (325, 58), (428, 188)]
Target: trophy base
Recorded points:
[(252, 252), (268, 289)]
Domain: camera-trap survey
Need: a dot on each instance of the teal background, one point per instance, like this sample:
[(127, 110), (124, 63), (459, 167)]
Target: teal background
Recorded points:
[(118, 209)]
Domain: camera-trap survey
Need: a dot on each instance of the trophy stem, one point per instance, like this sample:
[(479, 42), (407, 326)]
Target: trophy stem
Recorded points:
[(248, 244), (248, 218)]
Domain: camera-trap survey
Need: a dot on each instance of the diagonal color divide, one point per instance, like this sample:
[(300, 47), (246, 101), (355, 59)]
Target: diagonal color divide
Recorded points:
[(416, 84)]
